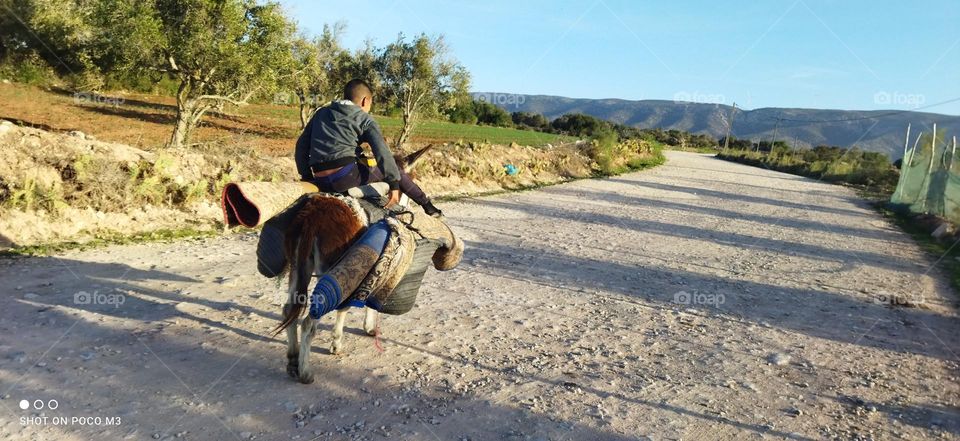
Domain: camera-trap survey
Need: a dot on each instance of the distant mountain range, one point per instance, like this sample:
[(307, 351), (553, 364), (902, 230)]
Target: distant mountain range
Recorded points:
[(876, 130)]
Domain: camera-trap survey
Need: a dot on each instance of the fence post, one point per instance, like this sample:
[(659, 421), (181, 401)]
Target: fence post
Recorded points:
[(925, 188), (898, 193)]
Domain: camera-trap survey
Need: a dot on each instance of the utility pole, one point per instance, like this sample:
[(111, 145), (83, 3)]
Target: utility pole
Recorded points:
[(726, 139), (775, 129)]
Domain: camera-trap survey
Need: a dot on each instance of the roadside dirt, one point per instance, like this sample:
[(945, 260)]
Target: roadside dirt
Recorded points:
[(699, 300)]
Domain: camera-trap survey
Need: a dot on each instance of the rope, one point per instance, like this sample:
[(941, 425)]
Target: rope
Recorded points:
[(376, 336)]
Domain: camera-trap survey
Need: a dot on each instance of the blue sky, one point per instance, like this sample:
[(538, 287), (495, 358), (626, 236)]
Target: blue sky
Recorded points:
[(836, 54)]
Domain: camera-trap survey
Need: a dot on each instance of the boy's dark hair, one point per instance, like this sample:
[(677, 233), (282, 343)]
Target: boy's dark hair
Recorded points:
[(356, 89)]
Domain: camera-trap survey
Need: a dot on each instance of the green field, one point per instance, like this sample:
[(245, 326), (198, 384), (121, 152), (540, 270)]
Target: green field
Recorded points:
[(425, 131)]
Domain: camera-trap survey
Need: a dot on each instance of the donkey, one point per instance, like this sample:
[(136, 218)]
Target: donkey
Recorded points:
[(321, 232)]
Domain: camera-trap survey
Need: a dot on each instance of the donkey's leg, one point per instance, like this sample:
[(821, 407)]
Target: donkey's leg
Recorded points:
[(293, 348), (337, 346), (308, 327), (370, 321)]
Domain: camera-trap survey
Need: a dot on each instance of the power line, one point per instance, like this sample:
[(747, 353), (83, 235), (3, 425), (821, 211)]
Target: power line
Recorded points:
[(898, 112)]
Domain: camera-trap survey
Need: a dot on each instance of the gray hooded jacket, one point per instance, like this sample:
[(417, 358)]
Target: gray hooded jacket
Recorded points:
[(332, 138)]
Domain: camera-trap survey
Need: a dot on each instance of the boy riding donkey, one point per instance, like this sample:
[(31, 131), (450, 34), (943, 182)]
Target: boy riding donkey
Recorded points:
[(328, 151)]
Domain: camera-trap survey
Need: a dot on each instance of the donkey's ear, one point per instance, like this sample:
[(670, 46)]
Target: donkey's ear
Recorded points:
[(411, 160)]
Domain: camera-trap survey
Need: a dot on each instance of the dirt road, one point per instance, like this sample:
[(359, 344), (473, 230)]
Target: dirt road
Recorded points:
[(698, 300)]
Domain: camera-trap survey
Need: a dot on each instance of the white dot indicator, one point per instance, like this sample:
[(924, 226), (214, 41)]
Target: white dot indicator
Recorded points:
[(24, 404)]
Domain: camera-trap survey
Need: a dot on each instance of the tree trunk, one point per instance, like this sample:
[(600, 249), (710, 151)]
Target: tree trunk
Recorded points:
[(181, 131), (306, 111), (188, 118), (404, 132), (190, 111)]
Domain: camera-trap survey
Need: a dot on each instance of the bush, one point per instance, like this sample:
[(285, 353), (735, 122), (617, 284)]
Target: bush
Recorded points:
[(829, 163), (29, 69)]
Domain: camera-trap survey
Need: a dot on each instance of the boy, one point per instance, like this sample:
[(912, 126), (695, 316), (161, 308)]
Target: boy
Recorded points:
[(327, 152)]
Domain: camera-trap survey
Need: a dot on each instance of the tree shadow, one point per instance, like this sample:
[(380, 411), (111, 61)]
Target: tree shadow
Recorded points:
[(782, 176), (116, 99), (700, 191), (6, 243), (727, 238), (946, 418), (176, 382), (795, 223), (209, 120), (41, 126), (112, 290), (856, 321)]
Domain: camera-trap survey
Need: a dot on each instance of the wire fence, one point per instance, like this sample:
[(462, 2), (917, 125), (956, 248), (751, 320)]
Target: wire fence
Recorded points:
[(929, 177)]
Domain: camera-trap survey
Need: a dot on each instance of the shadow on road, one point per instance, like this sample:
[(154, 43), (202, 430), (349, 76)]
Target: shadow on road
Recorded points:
[(208, 386), (857, 321)]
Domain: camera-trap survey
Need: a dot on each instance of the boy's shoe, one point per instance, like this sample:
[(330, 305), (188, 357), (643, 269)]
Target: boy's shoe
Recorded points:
[(431, 210)]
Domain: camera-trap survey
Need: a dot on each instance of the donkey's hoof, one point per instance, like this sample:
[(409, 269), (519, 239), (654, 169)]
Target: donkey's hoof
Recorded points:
[(306, 377), (293, 370), (336, 348), (371, 332)]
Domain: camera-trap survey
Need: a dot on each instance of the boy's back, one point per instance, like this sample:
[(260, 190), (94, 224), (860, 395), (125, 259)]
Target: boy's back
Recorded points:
[(328, 149), (331, 138)]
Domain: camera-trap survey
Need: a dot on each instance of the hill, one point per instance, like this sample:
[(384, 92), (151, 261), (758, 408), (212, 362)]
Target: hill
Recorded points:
[(879, 130)]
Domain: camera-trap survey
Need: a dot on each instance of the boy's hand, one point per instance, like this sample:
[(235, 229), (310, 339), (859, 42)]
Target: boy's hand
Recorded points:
[(394, 198)]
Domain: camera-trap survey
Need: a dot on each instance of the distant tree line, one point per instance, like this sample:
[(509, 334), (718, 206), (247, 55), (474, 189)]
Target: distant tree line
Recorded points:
[(573, 124), (830, 163)]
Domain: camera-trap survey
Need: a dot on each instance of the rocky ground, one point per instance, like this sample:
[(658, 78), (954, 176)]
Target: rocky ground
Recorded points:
[(698, 300)]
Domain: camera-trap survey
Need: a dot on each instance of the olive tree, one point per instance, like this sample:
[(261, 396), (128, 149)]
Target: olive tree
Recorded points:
[(419, 76), (56, 33), (315, 79), (221, 52)]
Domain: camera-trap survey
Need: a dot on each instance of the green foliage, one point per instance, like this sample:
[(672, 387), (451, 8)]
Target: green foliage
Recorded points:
[(34, 195), (530, 121), (28, 69), (581, 125), (829, 163), (444, 131), (419, 77), (682, 139), (480, 112), (612, 157), (54, 31), (318, 69)]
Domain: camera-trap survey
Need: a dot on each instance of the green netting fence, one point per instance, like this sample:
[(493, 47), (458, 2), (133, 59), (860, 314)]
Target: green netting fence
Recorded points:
[(930, 179)]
